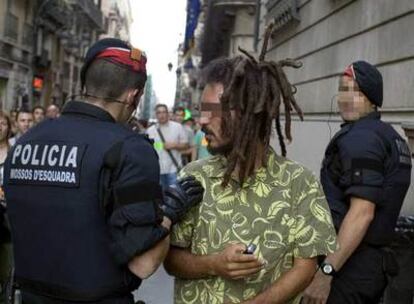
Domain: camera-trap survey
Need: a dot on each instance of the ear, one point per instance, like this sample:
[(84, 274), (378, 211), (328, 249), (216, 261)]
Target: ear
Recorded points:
[(134, 97)]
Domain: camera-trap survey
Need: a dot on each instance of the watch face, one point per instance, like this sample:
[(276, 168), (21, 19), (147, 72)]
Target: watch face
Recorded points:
[(327, 269)]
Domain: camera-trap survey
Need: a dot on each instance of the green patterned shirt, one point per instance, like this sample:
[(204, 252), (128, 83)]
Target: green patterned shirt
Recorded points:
[(281, 209)]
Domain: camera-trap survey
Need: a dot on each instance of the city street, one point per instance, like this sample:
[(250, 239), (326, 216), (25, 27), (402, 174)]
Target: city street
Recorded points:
[(268, 139), (158, 289)]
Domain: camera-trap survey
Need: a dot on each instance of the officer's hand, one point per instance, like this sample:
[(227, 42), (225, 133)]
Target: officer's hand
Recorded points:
[(231, 263), (318, 291), (178, 199)]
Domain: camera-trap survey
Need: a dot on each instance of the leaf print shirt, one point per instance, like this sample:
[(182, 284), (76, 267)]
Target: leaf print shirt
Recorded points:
[(281, 209)]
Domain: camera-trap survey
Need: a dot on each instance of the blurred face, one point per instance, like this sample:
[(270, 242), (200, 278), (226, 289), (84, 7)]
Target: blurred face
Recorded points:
[(352, 103), (24, 122), (162, 115), (52, 112), (179, 116), (4, 129), (38, 115), (211, 119)]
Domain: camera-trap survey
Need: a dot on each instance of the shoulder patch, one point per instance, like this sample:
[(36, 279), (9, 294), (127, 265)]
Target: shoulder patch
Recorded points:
[(46, 163)]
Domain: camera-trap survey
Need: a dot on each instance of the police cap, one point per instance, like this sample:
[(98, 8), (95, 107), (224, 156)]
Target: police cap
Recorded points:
[(369, 80), (116, 51)]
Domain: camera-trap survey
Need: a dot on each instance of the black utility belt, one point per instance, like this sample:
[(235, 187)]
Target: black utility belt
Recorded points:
[(64, 293)]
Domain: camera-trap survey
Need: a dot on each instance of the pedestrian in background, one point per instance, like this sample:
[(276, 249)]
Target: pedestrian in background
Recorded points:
[(365, 175), (5, 239), (24, 121), (53, 111), (38, 114), (186, 155), (179, 114), (169, 139)]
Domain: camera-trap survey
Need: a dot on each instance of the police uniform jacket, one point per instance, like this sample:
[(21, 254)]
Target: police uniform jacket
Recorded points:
[(370, 160)]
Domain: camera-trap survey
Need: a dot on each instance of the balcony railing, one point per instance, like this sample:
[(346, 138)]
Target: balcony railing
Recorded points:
[(91, 10), (11, 28), (282, 12)]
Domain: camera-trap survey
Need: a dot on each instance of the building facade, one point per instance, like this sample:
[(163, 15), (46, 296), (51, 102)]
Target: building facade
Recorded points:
[(328, 35), (42, 44)]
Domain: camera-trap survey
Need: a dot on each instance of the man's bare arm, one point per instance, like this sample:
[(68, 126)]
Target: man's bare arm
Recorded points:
[(289, 285), (351, 233), (147, 263)]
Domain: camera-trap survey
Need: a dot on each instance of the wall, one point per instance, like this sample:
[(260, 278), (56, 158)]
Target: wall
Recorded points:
[(330, 35)]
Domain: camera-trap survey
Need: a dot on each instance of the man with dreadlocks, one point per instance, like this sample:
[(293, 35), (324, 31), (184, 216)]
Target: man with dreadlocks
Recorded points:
[(252, 196)]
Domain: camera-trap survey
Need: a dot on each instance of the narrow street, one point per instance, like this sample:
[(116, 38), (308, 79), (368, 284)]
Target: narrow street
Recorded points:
[(158, 289)]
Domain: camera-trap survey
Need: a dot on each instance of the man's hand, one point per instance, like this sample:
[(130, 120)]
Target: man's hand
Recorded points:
[(318, 291), (231, 263), (179, 198)]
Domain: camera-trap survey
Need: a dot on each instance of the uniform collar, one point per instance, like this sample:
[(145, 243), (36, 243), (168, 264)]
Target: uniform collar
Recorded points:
[(86, 109), (371, 116)]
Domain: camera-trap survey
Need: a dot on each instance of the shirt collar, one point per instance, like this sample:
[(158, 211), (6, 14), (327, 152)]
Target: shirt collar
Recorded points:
[(219, 162), (86, 109)]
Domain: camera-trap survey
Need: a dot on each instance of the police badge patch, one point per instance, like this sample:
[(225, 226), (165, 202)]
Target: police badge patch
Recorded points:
[(45, 163)]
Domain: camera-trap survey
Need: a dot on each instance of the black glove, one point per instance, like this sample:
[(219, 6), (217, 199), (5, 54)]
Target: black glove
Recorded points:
[(178, 199)]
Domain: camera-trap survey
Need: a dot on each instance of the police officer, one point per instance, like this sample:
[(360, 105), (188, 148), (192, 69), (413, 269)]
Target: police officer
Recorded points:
[(365, 175), (88, 217)]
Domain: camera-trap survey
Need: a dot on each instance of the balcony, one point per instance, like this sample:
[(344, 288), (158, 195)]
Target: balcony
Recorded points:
[(54, 14), (91, 10), (11, 28)]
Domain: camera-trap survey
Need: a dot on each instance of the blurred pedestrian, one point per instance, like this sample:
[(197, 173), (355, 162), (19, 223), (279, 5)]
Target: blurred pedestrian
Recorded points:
[(365, 175), (187, 155), (5, 239), (263, 220), (179, 114), (24, 121), (200, 150), (38, 114), (53, 111), (169, 139)]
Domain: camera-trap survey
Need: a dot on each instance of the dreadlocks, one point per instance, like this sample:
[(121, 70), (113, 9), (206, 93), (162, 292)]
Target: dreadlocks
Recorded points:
[(254, 91)]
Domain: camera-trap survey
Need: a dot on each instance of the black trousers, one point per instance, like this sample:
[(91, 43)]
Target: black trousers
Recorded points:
[(30, 298), (361, 280)]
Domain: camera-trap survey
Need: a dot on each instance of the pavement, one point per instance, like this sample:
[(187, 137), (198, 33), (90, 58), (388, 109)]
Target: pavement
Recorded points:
[(157, 289)]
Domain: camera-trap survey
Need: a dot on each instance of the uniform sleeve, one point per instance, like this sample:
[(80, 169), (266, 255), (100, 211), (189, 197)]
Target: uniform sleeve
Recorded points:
[(135, 220), (182, 232), (362, 155), (313, 230)]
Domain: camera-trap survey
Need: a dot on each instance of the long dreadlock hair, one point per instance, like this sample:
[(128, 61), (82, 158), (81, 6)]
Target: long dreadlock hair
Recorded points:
[(254, 91)]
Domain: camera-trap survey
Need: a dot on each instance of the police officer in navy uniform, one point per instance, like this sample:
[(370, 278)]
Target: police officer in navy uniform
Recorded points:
[(365, 175), (88, 217)]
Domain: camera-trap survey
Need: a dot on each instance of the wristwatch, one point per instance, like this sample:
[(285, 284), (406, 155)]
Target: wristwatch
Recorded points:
[(327, 269)]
